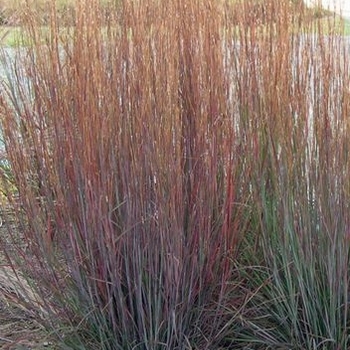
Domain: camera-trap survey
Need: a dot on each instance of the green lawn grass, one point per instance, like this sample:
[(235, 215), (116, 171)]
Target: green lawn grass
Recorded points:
[(11, 36), (335, 25), (14, 36), (347, 27)]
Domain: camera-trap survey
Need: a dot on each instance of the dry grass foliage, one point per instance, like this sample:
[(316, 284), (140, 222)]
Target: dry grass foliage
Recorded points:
[(14, 287), (147, 146)]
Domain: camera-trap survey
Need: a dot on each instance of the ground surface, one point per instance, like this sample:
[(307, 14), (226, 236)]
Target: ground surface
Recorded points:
[(19, 330)]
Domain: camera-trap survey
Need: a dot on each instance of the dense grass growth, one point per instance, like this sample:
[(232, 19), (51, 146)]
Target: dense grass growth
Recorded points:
[(12, 11), (181, 176)]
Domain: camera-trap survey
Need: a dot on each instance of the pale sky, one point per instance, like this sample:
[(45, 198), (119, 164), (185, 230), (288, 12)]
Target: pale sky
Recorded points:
[(334, 5)]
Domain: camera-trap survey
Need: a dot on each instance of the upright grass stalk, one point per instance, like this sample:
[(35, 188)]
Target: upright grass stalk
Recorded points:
[(296, 117), (123, 154), (181, 174)]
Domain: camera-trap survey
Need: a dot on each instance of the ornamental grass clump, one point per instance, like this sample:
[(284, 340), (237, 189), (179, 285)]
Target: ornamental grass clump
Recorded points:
[(130, 191), (179, 175), (295, 104)]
